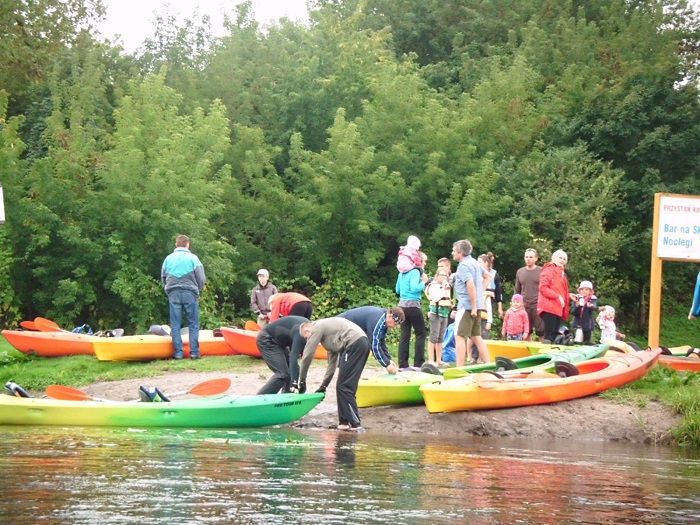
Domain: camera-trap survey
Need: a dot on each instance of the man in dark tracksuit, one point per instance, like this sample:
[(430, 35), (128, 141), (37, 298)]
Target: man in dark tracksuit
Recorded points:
[(376, 322), (274, 342)]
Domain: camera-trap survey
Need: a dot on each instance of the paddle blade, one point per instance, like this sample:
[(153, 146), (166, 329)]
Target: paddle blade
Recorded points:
[(67, 393), (28, 325), (252, 326), (211, 387), (46, 325)]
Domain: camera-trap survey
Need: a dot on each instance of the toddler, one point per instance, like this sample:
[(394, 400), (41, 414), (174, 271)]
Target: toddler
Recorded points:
[(516, 325), (606, 322), (409, 255), (584, 304), (439, 293)]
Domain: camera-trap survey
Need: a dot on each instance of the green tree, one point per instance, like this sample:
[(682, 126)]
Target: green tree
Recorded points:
[(35, 33), (567, 197), (162, 177), (11, 172)]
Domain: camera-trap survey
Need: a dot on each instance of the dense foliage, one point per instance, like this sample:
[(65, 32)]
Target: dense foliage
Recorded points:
[(315, 150)]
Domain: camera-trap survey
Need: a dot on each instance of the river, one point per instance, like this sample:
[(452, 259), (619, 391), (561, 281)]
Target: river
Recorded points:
[(160, 476)]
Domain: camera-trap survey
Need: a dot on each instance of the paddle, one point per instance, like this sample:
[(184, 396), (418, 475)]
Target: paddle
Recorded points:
[(28, 325), (252, 326), (46, 325), (207, 388)]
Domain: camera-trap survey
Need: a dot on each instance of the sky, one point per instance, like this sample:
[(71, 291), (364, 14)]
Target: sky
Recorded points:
[(133, 19)]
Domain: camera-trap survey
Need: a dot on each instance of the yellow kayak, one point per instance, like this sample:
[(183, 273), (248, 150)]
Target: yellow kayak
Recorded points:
[(148, 347)]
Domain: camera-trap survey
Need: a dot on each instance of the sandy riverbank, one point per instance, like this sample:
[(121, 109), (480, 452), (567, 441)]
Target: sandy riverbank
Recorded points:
[(589, 419)]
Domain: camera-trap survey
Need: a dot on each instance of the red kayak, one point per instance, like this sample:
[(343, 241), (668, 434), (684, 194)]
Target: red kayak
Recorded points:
[(244, 342)]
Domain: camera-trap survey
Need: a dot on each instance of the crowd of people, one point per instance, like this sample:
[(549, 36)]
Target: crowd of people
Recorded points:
[(470, 297)]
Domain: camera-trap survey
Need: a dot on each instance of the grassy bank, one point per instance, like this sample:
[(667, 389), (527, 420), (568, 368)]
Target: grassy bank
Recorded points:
[(36, 373)]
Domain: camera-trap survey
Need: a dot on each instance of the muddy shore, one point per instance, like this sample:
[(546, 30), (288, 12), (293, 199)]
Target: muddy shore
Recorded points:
[(588, 419)]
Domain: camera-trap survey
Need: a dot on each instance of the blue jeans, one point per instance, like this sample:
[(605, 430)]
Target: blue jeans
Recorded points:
[(179, 301)]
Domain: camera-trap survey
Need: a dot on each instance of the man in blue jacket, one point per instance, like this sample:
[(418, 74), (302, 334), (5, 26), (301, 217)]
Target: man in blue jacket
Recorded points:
[(375, 322), (183, 277)]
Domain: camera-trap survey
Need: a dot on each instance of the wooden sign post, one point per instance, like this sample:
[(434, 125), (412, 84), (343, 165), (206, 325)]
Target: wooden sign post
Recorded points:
[(676, 237)]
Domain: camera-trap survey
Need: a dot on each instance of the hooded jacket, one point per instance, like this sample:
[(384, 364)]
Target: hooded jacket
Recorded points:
[(553, 285)]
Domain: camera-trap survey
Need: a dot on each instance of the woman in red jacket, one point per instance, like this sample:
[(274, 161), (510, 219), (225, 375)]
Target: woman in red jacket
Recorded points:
[(553, 297)]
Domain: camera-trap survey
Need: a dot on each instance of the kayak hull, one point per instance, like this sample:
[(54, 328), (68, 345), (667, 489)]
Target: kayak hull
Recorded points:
[(680, 363), (50, 344), (517, 349), (211, 412), (148, 347), (244, 342), (481, 393), (402, 388)]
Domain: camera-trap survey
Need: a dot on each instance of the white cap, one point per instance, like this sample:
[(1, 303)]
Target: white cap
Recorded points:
[(264, 272), (585, 284), (413, 242)]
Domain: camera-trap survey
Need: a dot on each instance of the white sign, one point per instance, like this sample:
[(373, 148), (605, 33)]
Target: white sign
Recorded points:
[(2, 207), (679, 227)]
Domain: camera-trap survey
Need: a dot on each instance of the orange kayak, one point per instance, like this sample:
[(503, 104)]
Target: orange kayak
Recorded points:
[(678, 360), (484, 391), (244, 342), (50, 344), (148, 347), (683, 359)]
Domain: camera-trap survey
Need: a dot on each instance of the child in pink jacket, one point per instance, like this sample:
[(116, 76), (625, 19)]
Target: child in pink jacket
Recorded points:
[(516, 325)]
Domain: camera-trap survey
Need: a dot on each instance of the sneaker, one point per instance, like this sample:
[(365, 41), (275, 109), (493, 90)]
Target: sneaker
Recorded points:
[(194, 356), (358, 428), (177, 356), (343, 426)]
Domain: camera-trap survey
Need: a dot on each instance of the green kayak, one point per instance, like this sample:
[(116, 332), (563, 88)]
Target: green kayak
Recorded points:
[(207, 412), (575, 354)]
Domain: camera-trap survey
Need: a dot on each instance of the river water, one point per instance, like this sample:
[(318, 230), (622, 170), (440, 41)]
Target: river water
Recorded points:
[(159, 476)]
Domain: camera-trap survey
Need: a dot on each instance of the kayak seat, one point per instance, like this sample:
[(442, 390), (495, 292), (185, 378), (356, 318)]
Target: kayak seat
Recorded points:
[(150, 394), (503, 363), (430, 368), (564, 369), (15, 390)]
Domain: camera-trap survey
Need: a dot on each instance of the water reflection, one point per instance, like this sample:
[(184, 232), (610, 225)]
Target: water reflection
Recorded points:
[(54, 475)]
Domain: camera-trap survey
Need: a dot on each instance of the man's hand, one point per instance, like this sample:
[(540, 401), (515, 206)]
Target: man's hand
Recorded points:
[(294, 387), (302, 387), (392, 367), (321, 389)]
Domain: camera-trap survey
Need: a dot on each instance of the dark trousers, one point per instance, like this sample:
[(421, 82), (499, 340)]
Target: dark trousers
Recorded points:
[(302, 309), (416, 321), (351, 362), (552, 323), (277, 360)]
